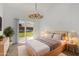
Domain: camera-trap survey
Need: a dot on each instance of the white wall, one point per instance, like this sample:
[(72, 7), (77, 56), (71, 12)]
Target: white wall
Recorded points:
[(1, 14), (1, 9), (9, 16), (62, 17), (10, 13)]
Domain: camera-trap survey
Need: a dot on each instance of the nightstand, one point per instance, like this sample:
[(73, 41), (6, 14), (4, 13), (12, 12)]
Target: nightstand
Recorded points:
[(71, 47)]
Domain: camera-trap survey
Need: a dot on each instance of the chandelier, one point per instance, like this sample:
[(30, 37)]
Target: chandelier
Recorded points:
[(35, 15)]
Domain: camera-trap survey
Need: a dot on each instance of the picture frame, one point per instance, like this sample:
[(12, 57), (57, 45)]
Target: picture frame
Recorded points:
[(0, 23)]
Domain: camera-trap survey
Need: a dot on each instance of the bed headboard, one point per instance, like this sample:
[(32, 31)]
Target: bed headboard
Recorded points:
[(61, 33), (54, 35)]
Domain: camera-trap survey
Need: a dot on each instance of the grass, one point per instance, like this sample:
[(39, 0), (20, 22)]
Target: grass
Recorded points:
[(21, 34), (29, 34)]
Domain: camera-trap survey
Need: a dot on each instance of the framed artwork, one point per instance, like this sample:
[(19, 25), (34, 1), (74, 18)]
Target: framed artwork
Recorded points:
[(0, 23)]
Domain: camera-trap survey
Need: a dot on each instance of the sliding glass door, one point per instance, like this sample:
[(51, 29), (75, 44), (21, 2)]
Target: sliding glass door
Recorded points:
[(25, 30), (29, 32), (22, 28)]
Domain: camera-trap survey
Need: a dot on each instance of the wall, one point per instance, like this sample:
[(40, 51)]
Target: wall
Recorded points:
[(62, 17), (10, 13), (58, 17), (1, 10), (9, 16)]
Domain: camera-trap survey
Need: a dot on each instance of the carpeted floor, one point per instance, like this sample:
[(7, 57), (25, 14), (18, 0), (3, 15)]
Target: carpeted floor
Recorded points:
[(19, 50), (13, 51)]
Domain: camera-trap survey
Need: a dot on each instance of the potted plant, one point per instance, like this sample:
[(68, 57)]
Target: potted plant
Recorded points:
[(8, 32)]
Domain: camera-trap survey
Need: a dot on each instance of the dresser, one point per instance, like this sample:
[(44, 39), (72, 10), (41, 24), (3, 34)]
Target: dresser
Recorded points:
[(4, 45)]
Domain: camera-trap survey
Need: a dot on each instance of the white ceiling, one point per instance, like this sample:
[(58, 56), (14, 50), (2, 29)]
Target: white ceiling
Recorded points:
[(44, 8), (29, 7)]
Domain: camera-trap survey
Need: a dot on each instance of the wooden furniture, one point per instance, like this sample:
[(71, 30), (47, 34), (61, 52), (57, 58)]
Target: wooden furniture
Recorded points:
[(4, 45), (58, 50), (71, 47)]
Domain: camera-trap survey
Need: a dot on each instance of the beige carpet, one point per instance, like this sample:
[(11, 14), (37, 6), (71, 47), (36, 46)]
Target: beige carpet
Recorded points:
[(13, 51), (21, 50), (17, 50)]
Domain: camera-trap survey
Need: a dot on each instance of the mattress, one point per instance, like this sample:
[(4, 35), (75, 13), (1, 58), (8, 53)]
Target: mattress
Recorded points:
[(37, 48)]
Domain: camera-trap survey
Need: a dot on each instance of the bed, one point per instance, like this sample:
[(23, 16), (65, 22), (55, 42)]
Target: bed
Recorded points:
[(41, 46), (36, 48), (51, 43)]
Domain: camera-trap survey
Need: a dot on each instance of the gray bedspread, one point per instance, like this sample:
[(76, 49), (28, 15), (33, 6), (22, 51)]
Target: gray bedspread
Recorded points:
[(51, 43)]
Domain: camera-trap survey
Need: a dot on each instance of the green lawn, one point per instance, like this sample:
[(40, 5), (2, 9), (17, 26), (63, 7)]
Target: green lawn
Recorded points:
[(29, 34), (21, 34)]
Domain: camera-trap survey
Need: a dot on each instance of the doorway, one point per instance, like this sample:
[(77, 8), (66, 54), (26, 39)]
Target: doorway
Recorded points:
[(25, 31)]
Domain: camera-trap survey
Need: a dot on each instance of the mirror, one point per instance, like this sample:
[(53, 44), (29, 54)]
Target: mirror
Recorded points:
[(0, 23)]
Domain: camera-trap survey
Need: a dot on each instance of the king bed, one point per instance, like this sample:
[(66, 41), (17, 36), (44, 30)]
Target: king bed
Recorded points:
[(37, 48), (41, 46), (51, 43)]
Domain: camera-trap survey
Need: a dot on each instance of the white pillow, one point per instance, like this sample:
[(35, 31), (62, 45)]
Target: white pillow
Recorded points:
[(49, 36), (57, 37)]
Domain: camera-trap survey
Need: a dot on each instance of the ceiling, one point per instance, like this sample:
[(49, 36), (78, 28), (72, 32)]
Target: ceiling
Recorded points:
[(44, 8), (29, 7)]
